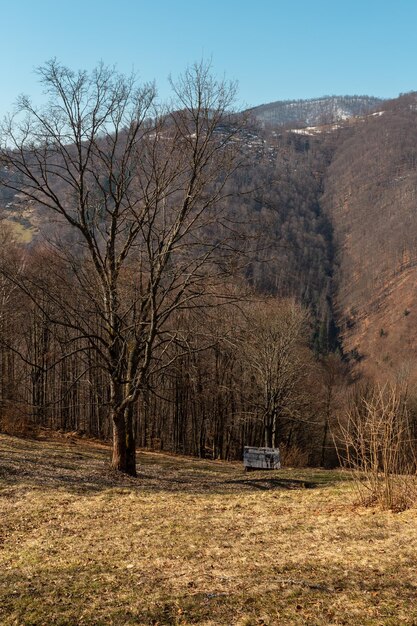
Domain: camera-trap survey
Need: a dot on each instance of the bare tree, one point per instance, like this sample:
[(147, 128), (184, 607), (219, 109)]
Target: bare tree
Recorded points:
[(377, 442), (272, 344), (137, 197)]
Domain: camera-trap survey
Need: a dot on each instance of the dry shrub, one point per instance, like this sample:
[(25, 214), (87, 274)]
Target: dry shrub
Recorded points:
[(293, 456), (14, 420), (379, 447)]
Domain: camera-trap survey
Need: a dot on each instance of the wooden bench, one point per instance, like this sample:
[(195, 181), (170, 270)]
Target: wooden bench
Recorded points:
[(261, 458)]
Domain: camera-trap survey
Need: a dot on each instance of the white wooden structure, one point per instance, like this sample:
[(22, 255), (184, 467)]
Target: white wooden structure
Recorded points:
[(261, 458)]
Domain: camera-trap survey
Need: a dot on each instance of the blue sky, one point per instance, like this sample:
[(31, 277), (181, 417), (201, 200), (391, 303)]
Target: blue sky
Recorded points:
[(275, 49)]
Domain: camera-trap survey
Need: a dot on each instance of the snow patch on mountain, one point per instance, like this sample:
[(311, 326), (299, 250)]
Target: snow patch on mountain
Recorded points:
[(315, 112)]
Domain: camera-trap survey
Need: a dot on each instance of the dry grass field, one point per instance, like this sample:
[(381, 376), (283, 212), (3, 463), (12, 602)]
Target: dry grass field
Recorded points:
[(192, 542)]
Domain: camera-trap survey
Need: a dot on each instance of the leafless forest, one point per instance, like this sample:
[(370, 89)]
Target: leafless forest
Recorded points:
[(192, 278)]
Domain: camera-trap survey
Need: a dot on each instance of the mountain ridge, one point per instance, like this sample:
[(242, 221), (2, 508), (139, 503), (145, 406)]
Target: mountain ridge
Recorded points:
[(325, 109)]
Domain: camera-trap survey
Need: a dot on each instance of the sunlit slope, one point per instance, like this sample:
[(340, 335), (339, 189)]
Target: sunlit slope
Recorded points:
[(371, 197)]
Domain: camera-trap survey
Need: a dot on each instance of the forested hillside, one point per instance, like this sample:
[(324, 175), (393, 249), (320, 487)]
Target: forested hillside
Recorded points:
[(358, 179), (370, 198), (297, 274)]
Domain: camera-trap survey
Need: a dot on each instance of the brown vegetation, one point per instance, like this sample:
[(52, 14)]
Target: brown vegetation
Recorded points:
[(379, 445), (137, 192), (370, 198), (192, 542)]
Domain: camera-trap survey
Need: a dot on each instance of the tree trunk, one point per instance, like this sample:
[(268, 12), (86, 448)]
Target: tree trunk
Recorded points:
[(119, 456), (130, 441), (124, 442), (124, 448), (268, 431), (324, 442), (326, 424), (124, 435)]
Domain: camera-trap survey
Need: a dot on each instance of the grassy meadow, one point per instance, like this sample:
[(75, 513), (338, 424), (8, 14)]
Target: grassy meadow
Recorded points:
[(192, 542)]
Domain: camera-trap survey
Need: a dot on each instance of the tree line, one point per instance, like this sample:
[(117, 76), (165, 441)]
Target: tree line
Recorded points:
[(239, 372)]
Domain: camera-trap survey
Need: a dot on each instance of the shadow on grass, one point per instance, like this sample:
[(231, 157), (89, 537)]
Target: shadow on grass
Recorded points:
[(264, 484), (84, 468)]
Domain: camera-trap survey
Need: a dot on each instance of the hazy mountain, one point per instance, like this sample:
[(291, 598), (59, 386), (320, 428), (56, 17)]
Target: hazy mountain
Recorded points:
[(326, 110)]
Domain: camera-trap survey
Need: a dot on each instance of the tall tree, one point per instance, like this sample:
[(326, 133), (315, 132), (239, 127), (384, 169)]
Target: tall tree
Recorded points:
[(273, 346), (138, 191)]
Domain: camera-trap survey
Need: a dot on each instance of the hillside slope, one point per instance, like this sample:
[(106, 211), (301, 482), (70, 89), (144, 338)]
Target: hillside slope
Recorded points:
[(371, 196), (333, 212)]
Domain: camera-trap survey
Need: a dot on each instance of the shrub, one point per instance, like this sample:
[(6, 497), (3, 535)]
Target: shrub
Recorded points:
[(378, 446)]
